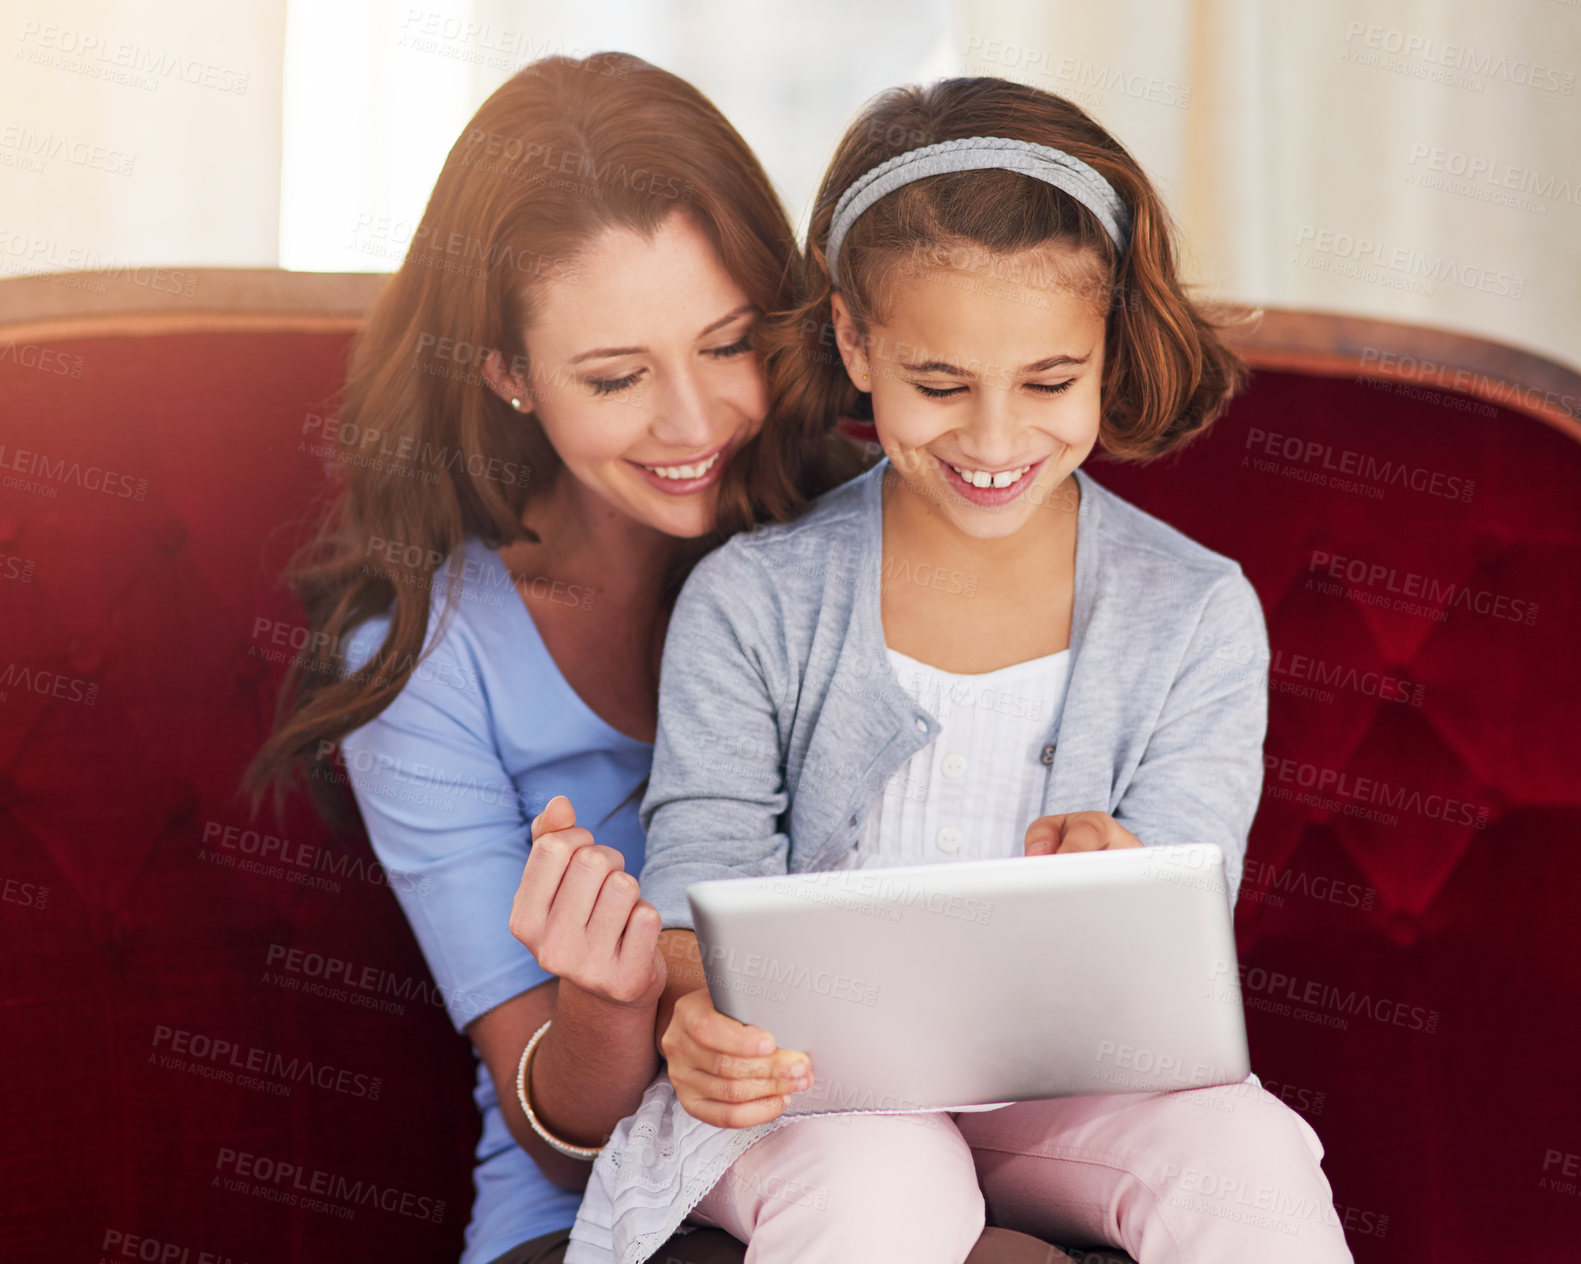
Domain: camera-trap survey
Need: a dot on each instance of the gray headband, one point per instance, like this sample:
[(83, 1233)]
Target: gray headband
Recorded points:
[(979, 153)]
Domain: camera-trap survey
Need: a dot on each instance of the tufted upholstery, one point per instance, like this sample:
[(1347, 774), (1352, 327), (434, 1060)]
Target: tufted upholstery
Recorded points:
[(143, 623), (1411, 971), (1410, 963)]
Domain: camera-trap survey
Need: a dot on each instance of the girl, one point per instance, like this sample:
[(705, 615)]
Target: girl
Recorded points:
[(995, 277), (555, 405)]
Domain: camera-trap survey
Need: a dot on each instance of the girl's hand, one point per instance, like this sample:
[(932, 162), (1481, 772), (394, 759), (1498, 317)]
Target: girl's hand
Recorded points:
[(578, 912), (1077, 831), (725, 1072)]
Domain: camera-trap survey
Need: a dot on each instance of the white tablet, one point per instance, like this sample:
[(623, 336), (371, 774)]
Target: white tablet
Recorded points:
[(956, 985)]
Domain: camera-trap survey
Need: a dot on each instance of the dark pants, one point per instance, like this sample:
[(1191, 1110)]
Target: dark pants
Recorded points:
[(715, 1246), (700, 1246)]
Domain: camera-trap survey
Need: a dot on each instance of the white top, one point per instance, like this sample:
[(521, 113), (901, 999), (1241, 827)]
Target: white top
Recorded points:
[(968, 795)]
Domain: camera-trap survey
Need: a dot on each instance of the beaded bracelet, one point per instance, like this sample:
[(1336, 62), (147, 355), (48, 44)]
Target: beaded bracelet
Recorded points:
[(588, 1153)]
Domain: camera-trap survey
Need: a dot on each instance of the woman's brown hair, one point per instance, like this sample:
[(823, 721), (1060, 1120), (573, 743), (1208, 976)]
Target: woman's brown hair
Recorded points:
[(561, 151), (1167, 375)]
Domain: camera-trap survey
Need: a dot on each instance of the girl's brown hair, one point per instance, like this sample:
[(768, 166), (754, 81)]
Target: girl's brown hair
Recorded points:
[(561, 151), (1167, 375)]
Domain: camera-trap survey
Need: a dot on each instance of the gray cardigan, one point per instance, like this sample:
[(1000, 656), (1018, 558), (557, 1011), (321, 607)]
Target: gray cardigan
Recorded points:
[(780, 721)]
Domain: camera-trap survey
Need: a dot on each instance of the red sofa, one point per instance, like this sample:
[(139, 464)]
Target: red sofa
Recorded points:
[(221, 1043)]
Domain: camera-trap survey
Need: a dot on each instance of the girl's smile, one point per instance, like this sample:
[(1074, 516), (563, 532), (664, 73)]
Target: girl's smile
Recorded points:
[(988, 489)]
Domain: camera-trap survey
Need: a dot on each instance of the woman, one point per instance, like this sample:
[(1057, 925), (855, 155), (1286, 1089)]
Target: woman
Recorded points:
[(555, 407)]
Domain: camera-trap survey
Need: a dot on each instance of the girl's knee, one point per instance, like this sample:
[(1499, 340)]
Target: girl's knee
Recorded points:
[(1265, 1115), (1246, 1141), (905, 1178), (923, 1153), (1245, 1182), (1308, 1134)]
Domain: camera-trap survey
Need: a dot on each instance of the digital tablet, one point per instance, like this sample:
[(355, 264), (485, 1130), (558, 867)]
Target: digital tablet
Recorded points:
[(981, 982)]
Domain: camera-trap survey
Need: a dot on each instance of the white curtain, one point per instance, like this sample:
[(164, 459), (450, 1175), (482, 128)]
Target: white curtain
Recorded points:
[(1397, 158), (136, 135), (376, 92), (1393, 158)]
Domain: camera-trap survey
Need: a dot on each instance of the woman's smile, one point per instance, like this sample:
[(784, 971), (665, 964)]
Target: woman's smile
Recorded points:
[(683, 478)]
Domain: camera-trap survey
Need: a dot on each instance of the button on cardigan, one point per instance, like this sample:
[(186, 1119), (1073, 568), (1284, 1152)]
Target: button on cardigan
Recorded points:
[(971, 793)]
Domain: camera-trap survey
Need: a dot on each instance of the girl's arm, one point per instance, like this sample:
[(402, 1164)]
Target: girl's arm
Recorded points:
[(684, 974), (724, 1072), (716, 798), (1201, 772), (716, 795)]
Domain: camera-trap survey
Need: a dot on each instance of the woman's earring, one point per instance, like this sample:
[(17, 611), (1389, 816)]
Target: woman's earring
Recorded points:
[(516, 403)]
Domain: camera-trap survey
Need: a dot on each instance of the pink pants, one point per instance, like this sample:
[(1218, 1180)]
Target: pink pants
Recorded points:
[(1226, 1175)]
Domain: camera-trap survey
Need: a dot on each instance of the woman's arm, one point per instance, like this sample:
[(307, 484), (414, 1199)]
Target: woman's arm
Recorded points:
[(446, 821), (577, 911), (588, 1072)]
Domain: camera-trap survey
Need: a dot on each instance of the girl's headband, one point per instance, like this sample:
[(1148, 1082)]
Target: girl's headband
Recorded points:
[(979, 153)]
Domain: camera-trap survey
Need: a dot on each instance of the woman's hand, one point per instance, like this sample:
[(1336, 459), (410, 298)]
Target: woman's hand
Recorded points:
[(1077, 831), (727, 1073), (580, 914)]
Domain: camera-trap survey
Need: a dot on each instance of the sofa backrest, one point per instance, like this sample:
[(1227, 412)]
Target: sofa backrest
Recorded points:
[(1406, 503), (221, 1035)]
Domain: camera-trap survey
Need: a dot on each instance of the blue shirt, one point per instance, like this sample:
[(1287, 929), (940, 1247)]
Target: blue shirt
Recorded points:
[(448, 778)]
